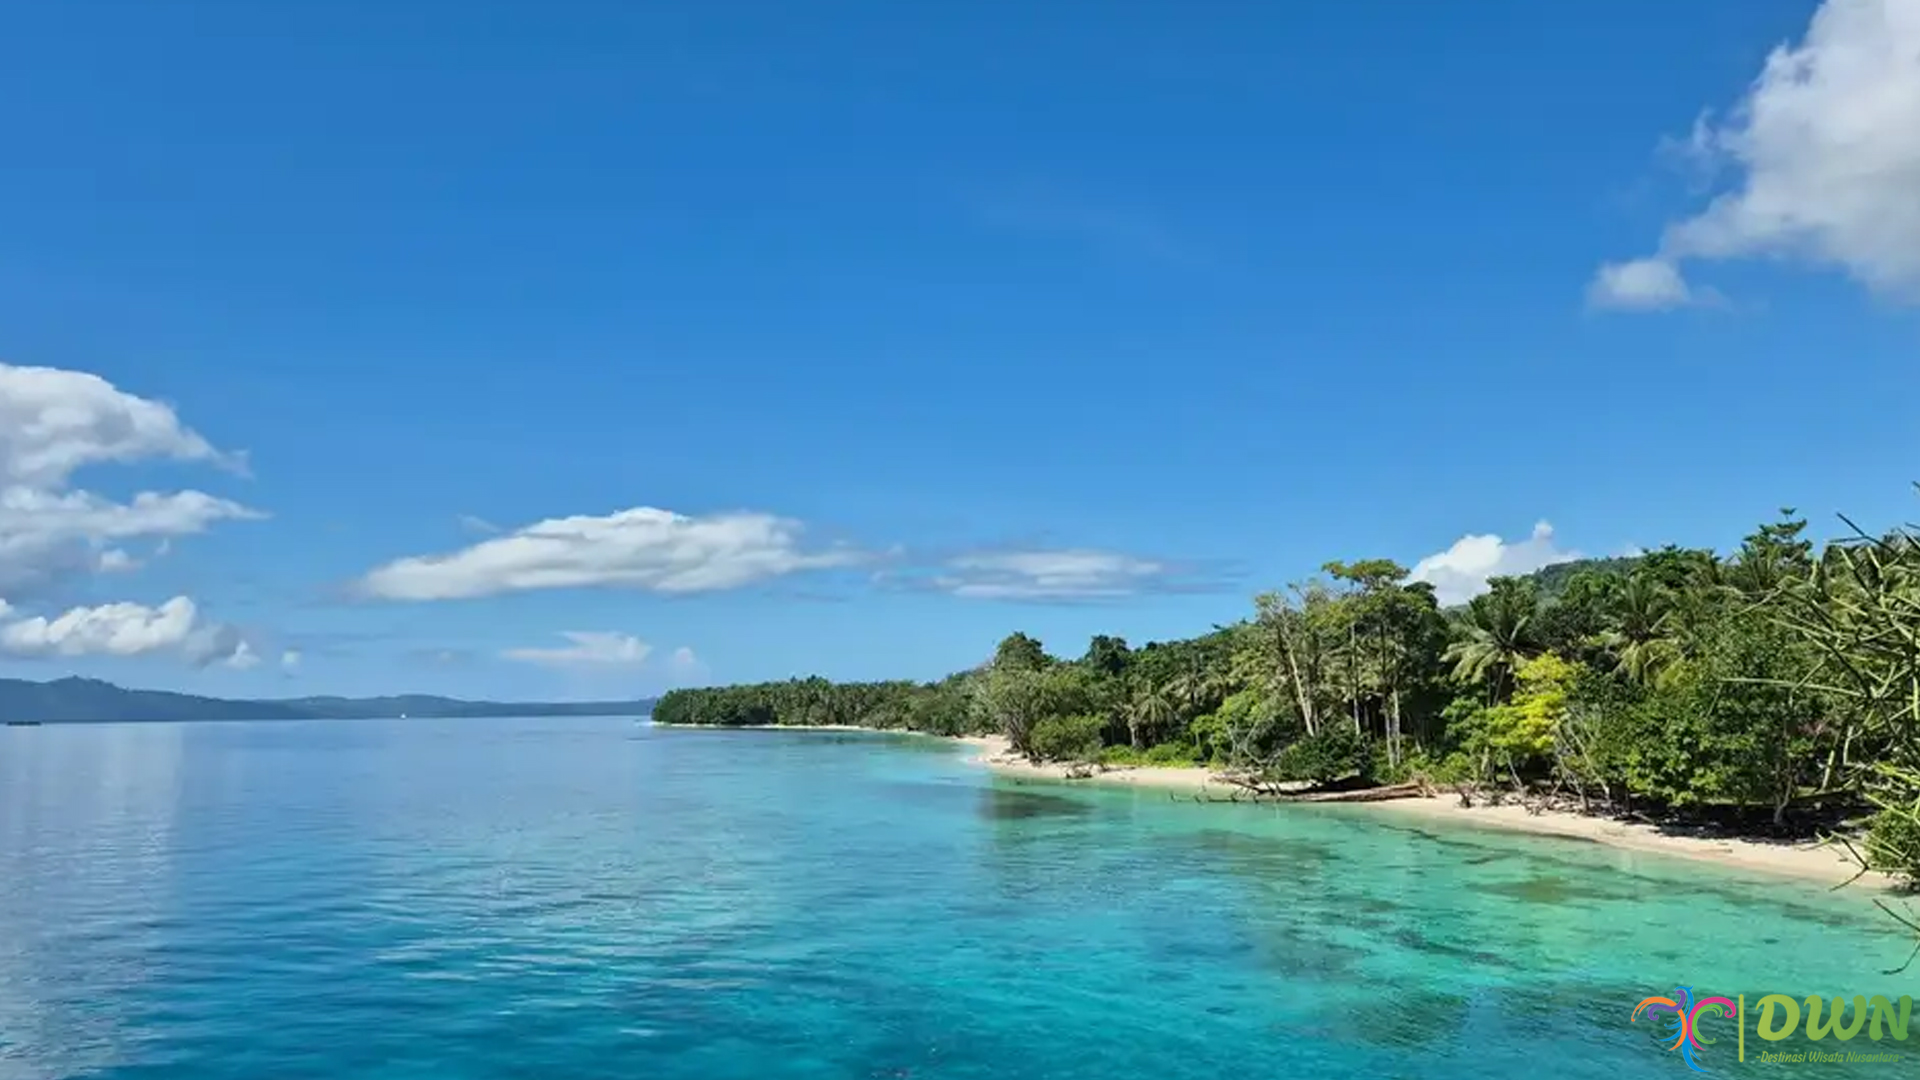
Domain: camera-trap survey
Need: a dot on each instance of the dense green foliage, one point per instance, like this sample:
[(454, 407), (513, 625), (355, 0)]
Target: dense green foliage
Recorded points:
[(944, 708), (1774, 689)]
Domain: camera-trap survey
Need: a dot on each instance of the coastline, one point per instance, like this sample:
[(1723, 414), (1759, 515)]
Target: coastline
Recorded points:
[(1805, 860), (995, 754)]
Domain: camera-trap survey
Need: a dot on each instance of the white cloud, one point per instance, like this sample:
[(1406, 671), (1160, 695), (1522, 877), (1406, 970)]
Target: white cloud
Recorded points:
[(79, 515), (1038, 575), (588, 648), (45, 534), (54, 423), (1460, 573), (1640, 285), (641, 548), (685, 668), (126, 629), (1826, 151), (116, 561), (290, 661)]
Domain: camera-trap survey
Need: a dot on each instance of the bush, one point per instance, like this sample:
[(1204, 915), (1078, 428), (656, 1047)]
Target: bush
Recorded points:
[(1455, 768), (1066, 738), (1211, 739), (1335, 753), (1018, 701), (1893, 835), (1249, 727), (1173, 753)]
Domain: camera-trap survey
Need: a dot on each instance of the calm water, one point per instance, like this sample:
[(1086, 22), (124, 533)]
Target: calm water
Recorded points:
[(592, 898)]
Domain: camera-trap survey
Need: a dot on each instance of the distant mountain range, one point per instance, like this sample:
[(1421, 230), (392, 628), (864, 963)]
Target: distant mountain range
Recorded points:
[(80, 700)]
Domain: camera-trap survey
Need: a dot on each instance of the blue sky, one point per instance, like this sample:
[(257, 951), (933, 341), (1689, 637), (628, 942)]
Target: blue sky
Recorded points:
[(748, 340)]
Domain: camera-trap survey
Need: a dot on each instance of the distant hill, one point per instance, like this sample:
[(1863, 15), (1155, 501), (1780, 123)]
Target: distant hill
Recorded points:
[(80, 700), (1551, 581)]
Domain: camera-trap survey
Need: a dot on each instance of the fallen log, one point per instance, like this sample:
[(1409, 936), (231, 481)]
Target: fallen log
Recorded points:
[(1252, 792), (1411, 790)]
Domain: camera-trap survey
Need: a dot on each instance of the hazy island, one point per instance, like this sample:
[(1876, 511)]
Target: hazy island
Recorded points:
[(75, 700)]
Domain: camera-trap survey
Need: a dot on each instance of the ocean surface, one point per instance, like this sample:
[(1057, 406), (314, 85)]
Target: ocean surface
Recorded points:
[(583, 898)]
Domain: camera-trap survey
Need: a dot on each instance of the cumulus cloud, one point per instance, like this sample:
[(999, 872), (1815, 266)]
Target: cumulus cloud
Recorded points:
[(588, 648), (126, 629), (54, 423), (1460, 573), (116, 561), (82, 515), (1061, 574), (1640, 285), (1825, 152), (685, 668), (641, 548)]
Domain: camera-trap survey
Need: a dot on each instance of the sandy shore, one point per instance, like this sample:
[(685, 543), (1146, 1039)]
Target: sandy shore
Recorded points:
[(1805, 860), (1809, 861), (1813, 861), (995, 754)]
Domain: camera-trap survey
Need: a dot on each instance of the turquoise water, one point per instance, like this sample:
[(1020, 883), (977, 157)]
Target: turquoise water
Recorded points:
[(593, 898)]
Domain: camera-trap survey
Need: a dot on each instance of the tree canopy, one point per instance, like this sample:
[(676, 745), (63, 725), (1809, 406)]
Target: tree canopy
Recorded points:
[(1776, 688)]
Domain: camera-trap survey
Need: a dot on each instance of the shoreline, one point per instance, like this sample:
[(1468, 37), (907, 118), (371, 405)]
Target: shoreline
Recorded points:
[(1805, 860)]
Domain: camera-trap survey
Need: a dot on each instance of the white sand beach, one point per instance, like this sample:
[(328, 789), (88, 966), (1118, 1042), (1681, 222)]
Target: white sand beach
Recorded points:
[(1811, 861)]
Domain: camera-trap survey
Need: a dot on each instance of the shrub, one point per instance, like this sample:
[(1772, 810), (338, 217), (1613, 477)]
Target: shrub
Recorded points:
[(1418, 764), (1893, 842), (1172, 753), (1893, 835), (1334, 754), (1066, 738), (1175, 753)]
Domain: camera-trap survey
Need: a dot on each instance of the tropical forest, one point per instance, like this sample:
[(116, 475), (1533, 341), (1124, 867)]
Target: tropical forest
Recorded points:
[(1771, 690)]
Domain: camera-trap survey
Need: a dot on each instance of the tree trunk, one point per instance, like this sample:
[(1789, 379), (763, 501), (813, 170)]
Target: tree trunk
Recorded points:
[(1353, 674), (1301, 692), (1393, 727)]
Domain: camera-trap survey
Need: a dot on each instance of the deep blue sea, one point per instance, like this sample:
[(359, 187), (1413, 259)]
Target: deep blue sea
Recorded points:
[(584, 898)]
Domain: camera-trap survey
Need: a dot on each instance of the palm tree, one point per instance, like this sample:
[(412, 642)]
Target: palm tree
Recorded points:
[(1150, 710), (1195, 689), (1642, 635), (1496, 632)]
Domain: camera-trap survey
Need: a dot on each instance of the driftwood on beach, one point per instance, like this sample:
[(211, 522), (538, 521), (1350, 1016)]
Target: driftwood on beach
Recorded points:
[(1411, 790), (1258, 789)]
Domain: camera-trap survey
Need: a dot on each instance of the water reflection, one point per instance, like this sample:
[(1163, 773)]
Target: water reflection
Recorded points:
[(87, 844)]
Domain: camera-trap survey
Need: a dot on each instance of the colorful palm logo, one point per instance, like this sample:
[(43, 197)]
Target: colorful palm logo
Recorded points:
[(1683, 1021)]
